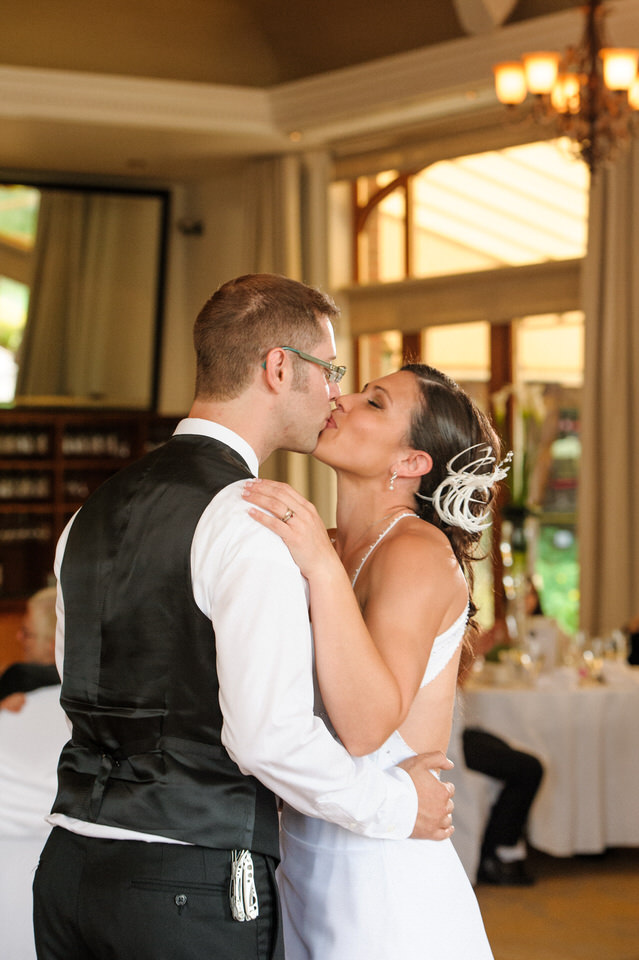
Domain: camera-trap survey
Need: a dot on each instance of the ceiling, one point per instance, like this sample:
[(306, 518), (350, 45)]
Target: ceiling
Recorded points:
[(169, 89), (255, 43)]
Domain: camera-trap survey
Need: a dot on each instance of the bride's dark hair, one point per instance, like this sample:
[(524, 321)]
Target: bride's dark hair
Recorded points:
[(448, 423)]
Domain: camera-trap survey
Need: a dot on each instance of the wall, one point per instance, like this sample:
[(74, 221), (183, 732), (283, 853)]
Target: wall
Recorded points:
[(197, 265)]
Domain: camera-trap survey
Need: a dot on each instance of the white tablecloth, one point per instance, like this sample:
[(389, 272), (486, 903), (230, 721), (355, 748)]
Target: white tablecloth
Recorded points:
[(30, 744), (587, 737)]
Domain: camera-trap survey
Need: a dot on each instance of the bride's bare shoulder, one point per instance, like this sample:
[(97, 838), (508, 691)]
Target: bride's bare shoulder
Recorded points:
[(418, 552)]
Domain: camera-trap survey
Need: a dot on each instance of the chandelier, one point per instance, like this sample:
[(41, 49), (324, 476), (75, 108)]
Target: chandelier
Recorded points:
[(590, 93)]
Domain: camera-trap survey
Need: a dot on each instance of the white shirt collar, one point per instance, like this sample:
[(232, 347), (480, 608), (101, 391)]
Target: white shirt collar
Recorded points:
[(209, 428)]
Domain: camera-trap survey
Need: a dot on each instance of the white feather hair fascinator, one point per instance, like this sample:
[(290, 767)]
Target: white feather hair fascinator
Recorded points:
[(457, 496)]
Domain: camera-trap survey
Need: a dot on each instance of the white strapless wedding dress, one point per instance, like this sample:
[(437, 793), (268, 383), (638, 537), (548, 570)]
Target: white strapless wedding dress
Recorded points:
[(348, 897)]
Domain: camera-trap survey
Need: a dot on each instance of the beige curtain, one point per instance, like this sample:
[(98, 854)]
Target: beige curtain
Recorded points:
[(92, 309), (55, 297), (286, 204), (609, 475)]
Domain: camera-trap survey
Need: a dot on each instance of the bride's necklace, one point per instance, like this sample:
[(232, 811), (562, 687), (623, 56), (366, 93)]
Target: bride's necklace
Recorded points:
[(387, 529)]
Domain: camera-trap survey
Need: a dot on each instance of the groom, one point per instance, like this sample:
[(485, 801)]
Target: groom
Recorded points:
[(188, 669)]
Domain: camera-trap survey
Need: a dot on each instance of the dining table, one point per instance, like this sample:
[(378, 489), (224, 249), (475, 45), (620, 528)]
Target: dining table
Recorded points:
[(585, 731)]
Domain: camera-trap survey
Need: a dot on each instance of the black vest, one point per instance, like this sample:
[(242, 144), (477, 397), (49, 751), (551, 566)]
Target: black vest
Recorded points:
[(140, 683)]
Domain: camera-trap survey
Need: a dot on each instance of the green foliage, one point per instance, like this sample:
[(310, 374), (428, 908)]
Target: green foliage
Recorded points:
[(19, 207), (10, 338), (558, 567), (14, 301)]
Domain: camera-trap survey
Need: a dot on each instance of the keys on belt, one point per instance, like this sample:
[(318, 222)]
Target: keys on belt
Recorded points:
[(242, 892)]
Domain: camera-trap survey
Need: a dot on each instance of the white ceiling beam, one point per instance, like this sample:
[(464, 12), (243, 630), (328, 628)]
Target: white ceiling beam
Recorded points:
[(131, 101)]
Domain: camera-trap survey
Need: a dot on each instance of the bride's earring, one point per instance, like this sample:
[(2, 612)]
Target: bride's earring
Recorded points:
[(391, 485)]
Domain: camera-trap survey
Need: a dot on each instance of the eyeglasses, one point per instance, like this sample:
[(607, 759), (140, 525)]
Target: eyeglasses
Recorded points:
[(333, 372)]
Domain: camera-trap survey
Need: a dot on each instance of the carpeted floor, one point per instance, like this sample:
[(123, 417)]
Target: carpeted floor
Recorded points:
[(581, 908)]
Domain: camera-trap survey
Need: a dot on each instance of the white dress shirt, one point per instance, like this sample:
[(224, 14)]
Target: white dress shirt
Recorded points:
[(245, 581)]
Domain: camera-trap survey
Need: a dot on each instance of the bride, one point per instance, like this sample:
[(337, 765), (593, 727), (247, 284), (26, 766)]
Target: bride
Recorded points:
[(391, 603)]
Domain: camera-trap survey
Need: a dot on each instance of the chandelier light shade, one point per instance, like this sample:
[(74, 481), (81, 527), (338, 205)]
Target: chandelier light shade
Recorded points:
[(619, 68), (590, 92), (510, 82), (540, 71)]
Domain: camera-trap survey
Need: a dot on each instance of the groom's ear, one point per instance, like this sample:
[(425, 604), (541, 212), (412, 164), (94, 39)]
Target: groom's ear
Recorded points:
[(416, 463), (274, 368)]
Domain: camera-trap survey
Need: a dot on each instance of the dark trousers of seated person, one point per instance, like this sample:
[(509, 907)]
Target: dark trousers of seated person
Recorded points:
[(131, 900), (521, 775)]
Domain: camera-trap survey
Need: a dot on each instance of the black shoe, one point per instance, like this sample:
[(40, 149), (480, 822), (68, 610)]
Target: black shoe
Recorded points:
[(492, 870)]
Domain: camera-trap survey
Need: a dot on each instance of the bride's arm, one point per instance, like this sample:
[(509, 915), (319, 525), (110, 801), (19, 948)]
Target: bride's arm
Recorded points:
[(369, 668)]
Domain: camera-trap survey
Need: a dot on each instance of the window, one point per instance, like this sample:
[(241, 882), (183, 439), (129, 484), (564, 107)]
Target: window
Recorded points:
[(381, 243), (462, 350), (14, 300), (521, 205), (421, 237), (379, 354), (549, 373), (19, 207)]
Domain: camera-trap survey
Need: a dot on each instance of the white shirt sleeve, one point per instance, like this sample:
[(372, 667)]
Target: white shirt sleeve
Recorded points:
[(59, 601), (245, 580)]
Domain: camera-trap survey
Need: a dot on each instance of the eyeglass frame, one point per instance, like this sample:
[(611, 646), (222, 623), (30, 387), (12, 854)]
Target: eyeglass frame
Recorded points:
[(335, 371)]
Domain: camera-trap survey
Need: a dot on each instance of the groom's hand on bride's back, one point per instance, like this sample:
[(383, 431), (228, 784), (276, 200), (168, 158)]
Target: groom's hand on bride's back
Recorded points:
[(435, 809)]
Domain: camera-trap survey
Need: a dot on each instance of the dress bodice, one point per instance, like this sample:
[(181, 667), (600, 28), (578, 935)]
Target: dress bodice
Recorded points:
[(444, 646)]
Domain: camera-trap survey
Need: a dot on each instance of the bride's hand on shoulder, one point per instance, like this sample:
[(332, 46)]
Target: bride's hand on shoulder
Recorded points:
[(295, 520)]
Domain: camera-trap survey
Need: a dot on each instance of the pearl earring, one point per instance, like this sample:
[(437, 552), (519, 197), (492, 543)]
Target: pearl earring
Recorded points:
[(391, 485)]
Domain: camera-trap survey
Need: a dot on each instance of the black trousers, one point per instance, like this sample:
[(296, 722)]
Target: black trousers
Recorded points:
[(129, 900), (521, 774)]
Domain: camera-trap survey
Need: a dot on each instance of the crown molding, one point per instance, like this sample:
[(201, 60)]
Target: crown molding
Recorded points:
[(131, 101), (431, 83)]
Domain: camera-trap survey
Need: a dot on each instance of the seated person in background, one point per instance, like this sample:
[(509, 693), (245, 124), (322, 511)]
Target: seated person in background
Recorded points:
[(33, 730), (37, 638), (503, 849), (632, 631)]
